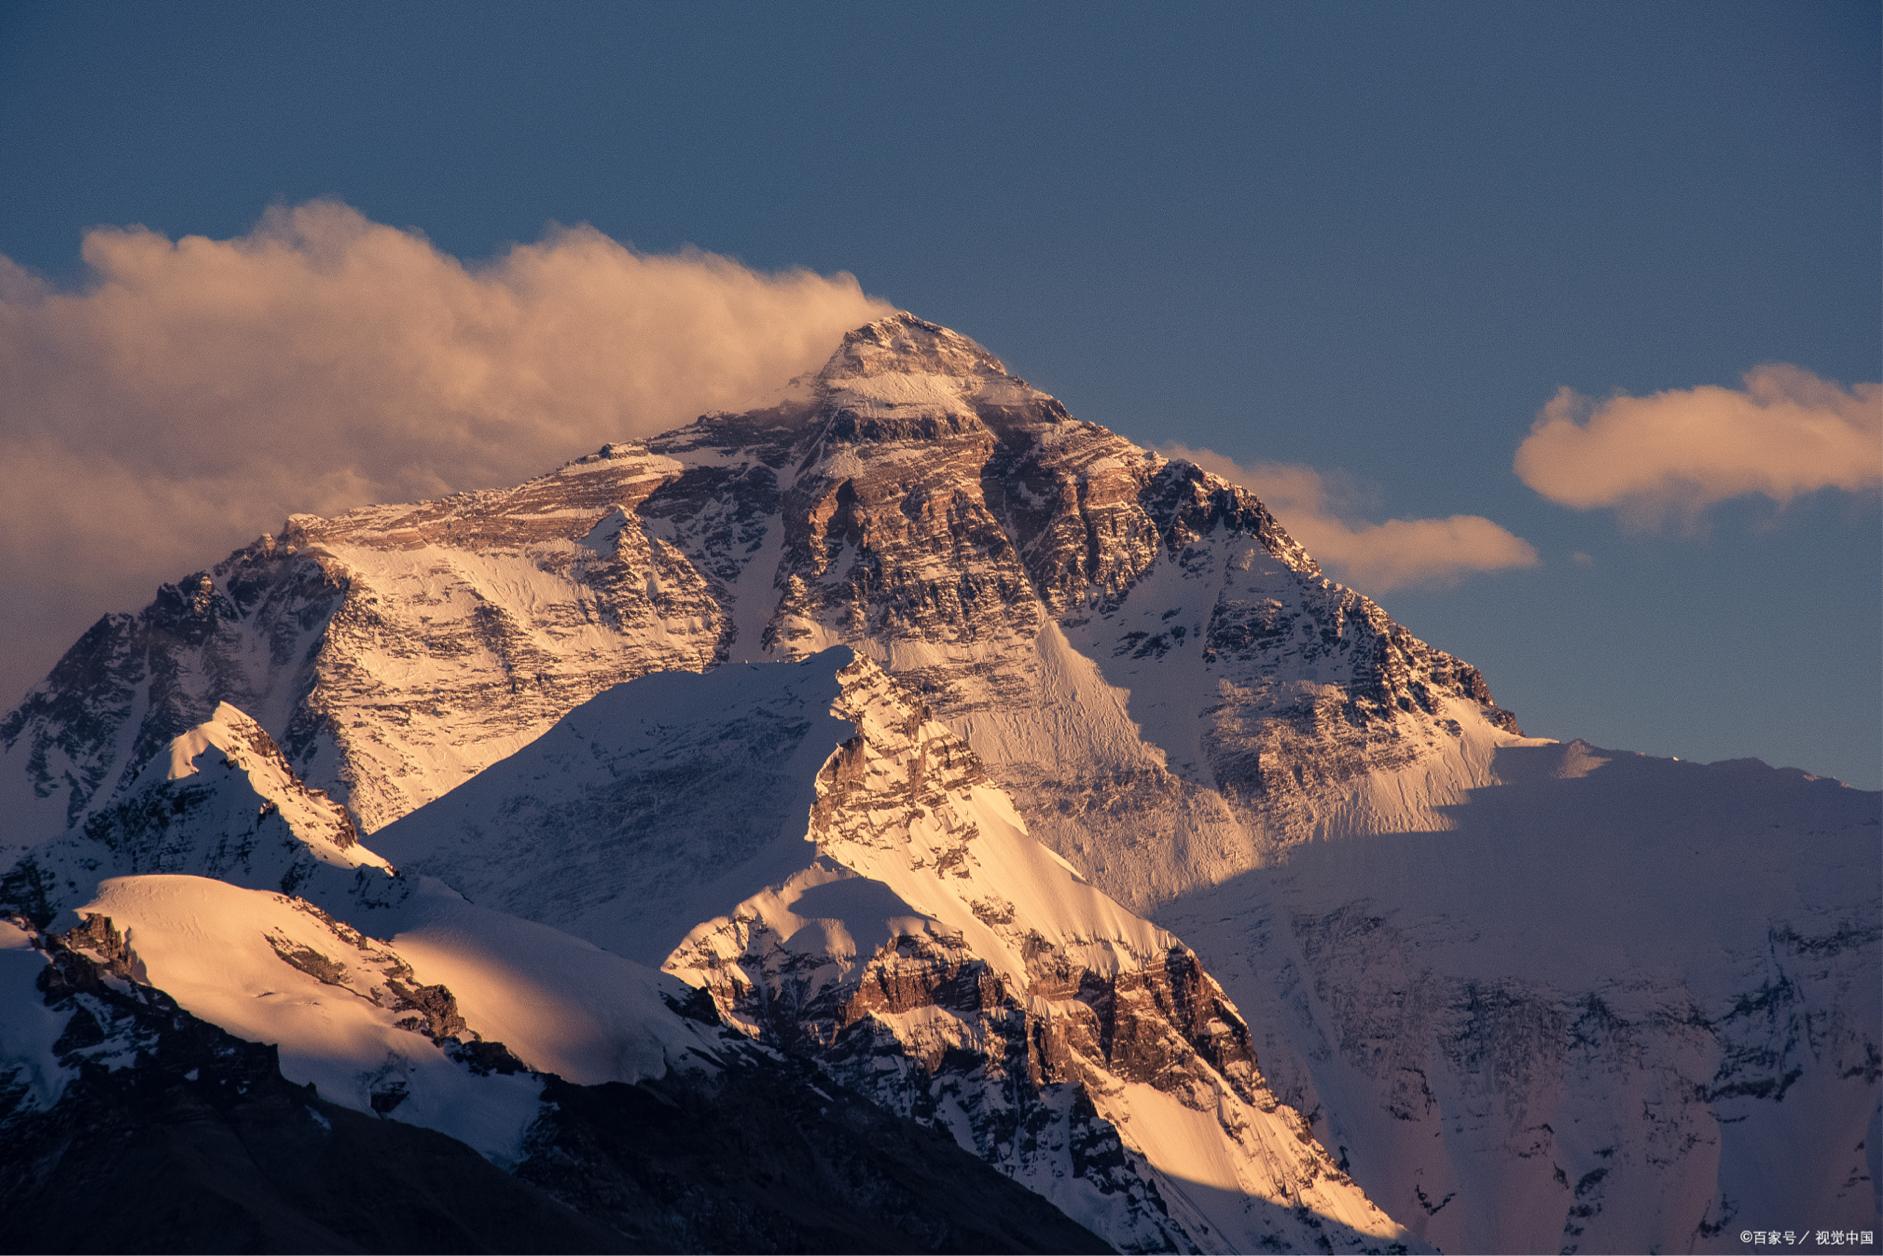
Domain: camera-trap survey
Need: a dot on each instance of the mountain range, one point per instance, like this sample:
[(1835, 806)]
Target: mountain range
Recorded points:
[(778, 832)]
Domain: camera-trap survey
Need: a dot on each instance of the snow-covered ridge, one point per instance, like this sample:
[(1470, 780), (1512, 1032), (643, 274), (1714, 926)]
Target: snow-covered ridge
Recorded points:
[(346, 1013), (219, 801), (890, 918)]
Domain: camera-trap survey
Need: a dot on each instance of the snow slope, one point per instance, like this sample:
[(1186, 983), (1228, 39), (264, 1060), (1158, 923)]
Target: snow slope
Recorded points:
[(557, 1002), (1625, 996), (220, 806)]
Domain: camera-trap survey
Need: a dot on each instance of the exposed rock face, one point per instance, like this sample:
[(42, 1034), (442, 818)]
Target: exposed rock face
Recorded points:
[(890, 920), (246, 634)]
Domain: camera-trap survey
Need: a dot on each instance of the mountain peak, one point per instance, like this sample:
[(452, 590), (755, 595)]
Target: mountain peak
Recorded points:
[(231, 755), (901, 362), (900, 338)]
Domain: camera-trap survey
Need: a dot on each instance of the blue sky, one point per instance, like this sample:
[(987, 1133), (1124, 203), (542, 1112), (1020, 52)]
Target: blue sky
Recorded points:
[(1373, 240)]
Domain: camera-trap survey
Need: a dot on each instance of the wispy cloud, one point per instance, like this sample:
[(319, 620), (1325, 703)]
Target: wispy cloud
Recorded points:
[(186, 394), (1669, 455), (1319, 510)]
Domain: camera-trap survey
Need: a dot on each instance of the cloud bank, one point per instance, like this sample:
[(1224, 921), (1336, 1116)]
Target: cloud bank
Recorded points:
[(1671, 454), (1375, 557), (188, 394)]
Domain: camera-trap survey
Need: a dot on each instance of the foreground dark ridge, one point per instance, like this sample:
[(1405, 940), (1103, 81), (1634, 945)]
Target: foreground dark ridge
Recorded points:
[(204, 1147)]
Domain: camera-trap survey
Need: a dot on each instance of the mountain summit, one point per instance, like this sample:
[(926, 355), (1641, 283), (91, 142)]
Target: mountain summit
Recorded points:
[(906, 350)]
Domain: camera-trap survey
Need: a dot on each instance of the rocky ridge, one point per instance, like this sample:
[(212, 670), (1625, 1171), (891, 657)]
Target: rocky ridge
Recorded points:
[(219, 801)]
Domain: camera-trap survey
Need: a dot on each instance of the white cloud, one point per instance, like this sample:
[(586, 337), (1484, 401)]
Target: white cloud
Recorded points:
[(1317, 510), (1671, 454), (187, 394)]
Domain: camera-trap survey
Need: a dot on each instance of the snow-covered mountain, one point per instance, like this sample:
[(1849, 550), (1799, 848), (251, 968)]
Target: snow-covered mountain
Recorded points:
[(1529, 994), (1618, 1003), (1129, 643)]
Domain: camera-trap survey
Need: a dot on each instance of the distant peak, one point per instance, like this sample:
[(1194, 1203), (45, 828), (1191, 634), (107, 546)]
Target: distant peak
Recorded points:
[(232, 757)]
